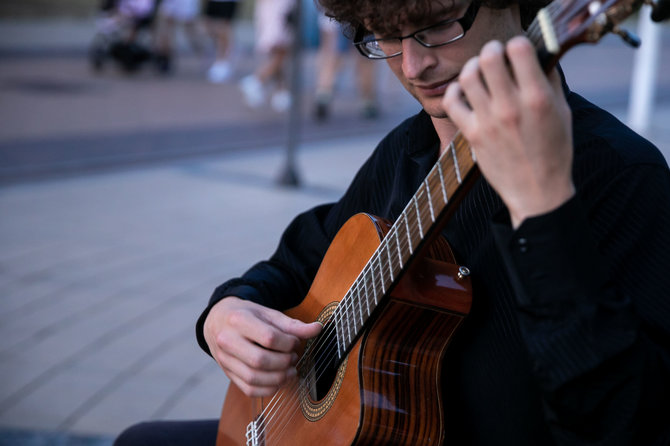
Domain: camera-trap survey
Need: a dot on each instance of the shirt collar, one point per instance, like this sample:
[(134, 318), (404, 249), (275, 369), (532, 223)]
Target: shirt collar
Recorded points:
[(421, 137)]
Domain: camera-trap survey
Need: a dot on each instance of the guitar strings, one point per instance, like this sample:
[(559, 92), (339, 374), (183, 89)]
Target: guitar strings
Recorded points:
[(433, 183)]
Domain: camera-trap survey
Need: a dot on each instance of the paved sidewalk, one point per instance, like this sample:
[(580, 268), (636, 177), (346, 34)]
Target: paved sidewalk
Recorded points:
[(102, 276)]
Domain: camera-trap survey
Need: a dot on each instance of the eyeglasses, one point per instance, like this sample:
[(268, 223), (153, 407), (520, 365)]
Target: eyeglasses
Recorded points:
[(439, 34)]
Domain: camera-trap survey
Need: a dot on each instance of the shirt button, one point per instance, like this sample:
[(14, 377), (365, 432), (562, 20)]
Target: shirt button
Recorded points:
[(522, 242)]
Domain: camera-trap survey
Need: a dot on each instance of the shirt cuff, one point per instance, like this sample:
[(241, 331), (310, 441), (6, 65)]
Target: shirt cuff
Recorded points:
[(551, 259), (234, 287)]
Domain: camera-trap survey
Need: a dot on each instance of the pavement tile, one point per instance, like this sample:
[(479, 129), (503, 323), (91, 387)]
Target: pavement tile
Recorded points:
[(132, 401), (201, 397), (49, 405)]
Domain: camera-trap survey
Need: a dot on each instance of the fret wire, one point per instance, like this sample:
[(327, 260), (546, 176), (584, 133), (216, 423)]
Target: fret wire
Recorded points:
[(418, 216), (425, 207), (367, 300), (411, 251), (338, 333), (456, 168), (374, 289), (381, 272), (351, 313), (344, 333), (348, 319), (438, 207), (388, 254), (397, 243), (430, 200), (444, 191), (360, 307)]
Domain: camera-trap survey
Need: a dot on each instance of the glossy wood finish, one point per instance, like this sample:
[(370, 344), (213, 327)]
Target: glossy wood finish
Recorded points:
[(374, 389), (400, 376)]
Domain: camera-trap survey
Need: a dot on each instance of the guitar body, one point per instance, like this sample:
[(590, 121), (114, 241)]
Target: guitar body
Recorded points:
[(388, 389)]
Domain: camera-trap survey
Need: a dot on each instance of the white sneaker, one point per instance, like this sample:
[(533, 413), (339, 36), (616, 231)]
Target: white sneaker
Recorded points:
[(252, 89), (281, 100), (219, 72)]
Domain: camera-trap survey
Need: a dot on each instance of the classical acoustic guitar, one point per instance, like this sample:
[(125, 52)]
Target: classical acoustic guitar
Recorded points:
[(390, 297)]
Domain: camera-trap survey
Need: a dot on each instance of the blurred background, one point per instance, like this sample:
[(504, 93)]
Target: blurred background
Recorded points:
[(131, 188)]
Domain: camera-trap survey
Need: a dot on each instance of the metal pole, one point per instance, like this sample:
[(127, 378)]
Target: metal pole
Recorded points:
[(289, 175), (645, 68)]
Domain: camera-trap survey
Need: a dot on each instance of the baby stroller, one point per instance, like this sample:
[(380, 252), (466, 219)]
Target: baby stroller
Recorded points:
[(123, 34)]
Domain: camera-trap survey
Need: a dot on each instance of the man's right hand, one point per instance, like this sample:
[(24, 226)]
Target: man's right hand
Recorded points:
[(255, 346)]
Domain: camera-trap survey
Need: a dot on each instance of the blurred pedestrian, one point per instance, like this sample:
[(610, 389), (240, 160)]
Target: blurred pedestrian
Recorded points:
[(274, 33), (219, 17), (333, 48), (171, 13), (118, 30)]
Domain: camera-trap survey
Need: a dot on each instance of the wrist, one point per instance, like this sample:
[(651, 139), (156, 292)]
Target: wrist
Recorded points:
[(544, 204)]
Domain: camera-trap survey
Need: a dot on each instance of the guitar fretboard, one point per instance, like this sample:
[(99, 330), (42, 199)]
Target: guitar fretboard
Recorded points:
[(399, 245)]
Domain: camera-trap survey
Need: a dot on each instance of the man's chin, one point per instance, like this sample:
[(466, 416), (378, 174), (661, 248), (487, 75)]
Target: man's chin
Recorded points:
[(435, 111)]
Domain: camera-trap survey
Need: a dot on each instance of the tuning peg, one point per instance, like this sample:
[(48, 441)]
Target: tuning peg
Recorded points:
[(627, 36), (660, 10)]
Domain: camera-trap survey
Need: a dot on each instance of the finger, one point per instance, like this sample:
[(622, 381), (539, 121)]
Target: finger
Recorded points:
[(473, 85), (296, 327), (555, 81), (253, 355), (259, 327), (237, 369), (457, 108), (496, 72), (253, 391), (523, 60)]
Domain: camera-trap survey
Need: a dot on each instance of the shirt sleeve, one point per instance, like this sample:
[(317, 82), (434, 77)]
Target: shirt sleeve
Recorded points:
[(591, 281), (283, 281)]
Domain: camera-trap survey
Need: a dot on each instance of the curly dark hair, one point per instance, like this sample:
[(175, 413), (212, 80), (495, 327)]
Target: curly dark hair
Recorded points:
[(385, 15)]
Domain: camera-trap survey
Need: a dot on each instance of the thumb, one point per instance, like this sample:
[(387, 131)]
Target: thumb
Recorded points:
[(295, 327)]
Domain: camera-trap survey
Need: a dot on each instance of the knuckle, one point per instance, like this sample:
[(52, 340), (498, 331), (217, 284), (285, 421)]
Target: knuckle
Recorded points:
[(508, 115), (248, 376), (268, 338), (469, 77), (490, 56), (235, 317), (222, 341), (256, 360), (538, 100)]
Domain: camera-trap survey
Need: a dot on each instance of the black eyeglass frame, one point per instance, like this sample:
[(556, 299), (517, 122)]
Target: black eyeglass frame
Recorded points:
[(466, 23)]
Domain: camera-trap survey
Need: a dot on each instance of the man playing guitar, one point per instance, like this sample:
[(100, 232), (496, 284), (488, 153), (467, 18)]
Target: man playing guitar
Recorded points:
[(566, 235)]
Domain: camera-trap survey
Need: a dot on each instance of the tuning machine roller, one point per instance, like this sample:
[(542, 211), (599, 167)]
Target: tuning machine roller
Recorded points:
[(660, 11)]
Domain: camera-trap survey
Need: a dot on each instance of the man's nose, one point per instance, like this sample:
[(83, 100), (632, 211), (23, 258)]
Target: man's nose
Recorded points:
[(416, 58)]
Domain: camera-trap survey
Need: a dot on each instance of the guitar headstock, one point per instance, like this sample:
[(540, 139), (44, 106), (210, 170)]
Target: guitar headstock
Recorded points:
[(566, 23)]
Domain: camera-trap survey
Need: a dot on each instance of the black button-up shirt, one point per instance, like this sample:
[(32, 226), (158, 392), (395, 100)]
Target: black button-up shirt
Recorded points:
[(568, 339)]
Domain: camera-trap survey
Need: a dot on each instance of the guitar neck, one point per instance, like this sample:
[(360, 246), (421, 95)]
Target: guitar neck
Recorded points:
[(422, 218)]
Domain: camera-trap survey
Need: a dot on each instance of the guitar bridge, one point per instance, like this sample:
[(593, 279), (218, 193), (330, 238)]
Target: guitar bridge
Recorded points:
[(252, 434)]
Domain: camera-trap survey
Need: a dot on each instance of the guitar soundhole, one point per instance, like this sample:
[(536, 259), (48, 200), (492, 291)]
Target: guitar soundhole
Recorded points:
[(323, 375), (324, 371)]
